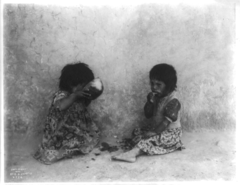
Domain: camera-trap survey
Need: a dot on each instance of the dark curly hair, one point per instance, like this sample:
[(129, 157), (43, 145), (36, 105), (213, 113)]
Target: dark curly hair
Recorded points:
[(165, 73), (74, 74)]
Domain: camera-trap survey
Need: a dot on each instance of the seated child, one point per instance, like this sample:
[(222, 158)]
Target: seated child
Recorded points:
[(163, 132), (69, 129)]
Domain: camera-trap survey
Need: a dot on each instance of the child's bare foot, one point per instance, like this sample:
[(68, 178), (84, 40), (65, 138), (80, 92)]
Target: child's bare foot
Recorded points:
[(125, 157)]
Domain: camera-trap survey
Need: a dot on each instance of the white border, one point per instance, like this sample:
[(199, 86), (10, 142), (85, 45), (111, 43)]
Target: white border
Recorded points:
[(121, 3), (1, 99), (236, 82), (110, 2)]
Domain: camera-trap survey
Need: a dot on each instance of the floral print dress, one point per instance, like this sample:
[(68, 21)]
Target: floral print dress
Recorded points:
[(68, 132)]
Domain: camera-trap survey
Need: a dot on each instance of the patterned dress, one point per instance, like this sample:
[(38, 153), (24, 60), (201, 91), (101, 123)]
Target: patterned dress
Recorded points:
[(165, 142), (67, 132)]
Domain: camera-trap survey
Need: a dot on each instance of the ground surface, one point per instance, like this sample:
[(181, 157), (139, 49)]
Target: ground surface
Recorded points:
[(208, 156)]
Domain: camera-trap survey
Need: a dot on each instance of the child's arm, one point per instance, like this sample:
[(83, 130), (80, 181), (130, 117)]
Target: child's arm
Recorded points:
[(67, 101), (162, 126), (170, 115), (149, 106), (87, 101)]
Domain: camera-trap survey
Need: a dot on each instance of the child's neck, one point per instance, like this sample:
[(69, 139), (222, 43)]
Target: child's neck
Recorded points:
[(167, 94)]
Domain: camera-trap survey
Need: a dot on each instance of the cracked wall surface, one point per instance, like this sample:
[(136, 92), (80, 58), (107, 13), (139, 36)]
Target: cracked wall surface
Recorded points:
[(120, 44)]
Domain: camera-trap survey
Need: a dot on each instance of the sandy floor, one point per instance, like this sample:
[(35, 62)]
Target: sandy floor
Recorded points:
[(208, 156)]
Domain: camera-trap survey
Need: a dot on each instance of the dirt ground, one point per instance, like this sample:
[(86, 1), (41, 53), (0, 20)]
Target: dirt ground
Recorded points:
[(209, 156)]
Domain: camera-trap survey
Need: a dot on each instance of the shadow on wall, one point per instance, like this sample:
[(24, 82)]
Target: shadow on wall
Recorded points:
[(120, 45)]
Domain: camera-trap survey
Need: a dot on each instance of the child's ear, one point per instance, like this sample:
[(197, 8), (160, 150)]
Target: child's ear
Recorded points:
[(167, 90)]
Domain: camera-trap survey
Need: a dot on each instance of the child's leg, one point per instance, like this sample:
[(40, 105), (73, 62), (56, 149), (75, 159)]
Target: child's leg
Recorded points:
[(130, 156)]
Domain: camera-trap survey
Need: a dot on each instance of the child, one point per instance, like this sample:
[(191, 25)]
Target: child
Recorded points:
[(162, 134), (69, 129)]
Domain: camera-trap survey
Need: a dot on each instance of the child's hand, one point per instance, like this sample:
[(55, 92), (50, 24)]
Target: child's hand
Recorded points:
[(82, 94), (151, 97), (136, 139), (79, 87), (148, 134)]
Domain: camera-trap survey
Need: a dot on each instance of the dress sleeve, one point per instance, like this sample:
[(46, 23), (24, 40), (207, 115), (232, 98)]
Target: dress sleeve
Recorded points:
[(171, 110), (59, 95)]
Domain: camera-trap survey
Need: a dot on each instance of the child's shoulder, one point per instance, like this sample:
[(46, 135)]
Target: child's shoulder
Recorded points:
[(173, 95), (60, 92), (173, 99), (173, 102), (59, 95)]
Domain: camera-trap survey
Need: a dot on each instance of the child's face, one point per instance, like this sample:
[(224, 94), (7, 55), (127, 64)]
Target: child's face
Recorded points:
[(158, 87)]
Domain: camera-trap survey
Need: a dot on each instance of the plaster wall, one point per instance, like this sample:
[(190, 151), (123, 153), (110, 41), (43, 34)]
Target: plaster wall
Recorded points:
[(120, 44)]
